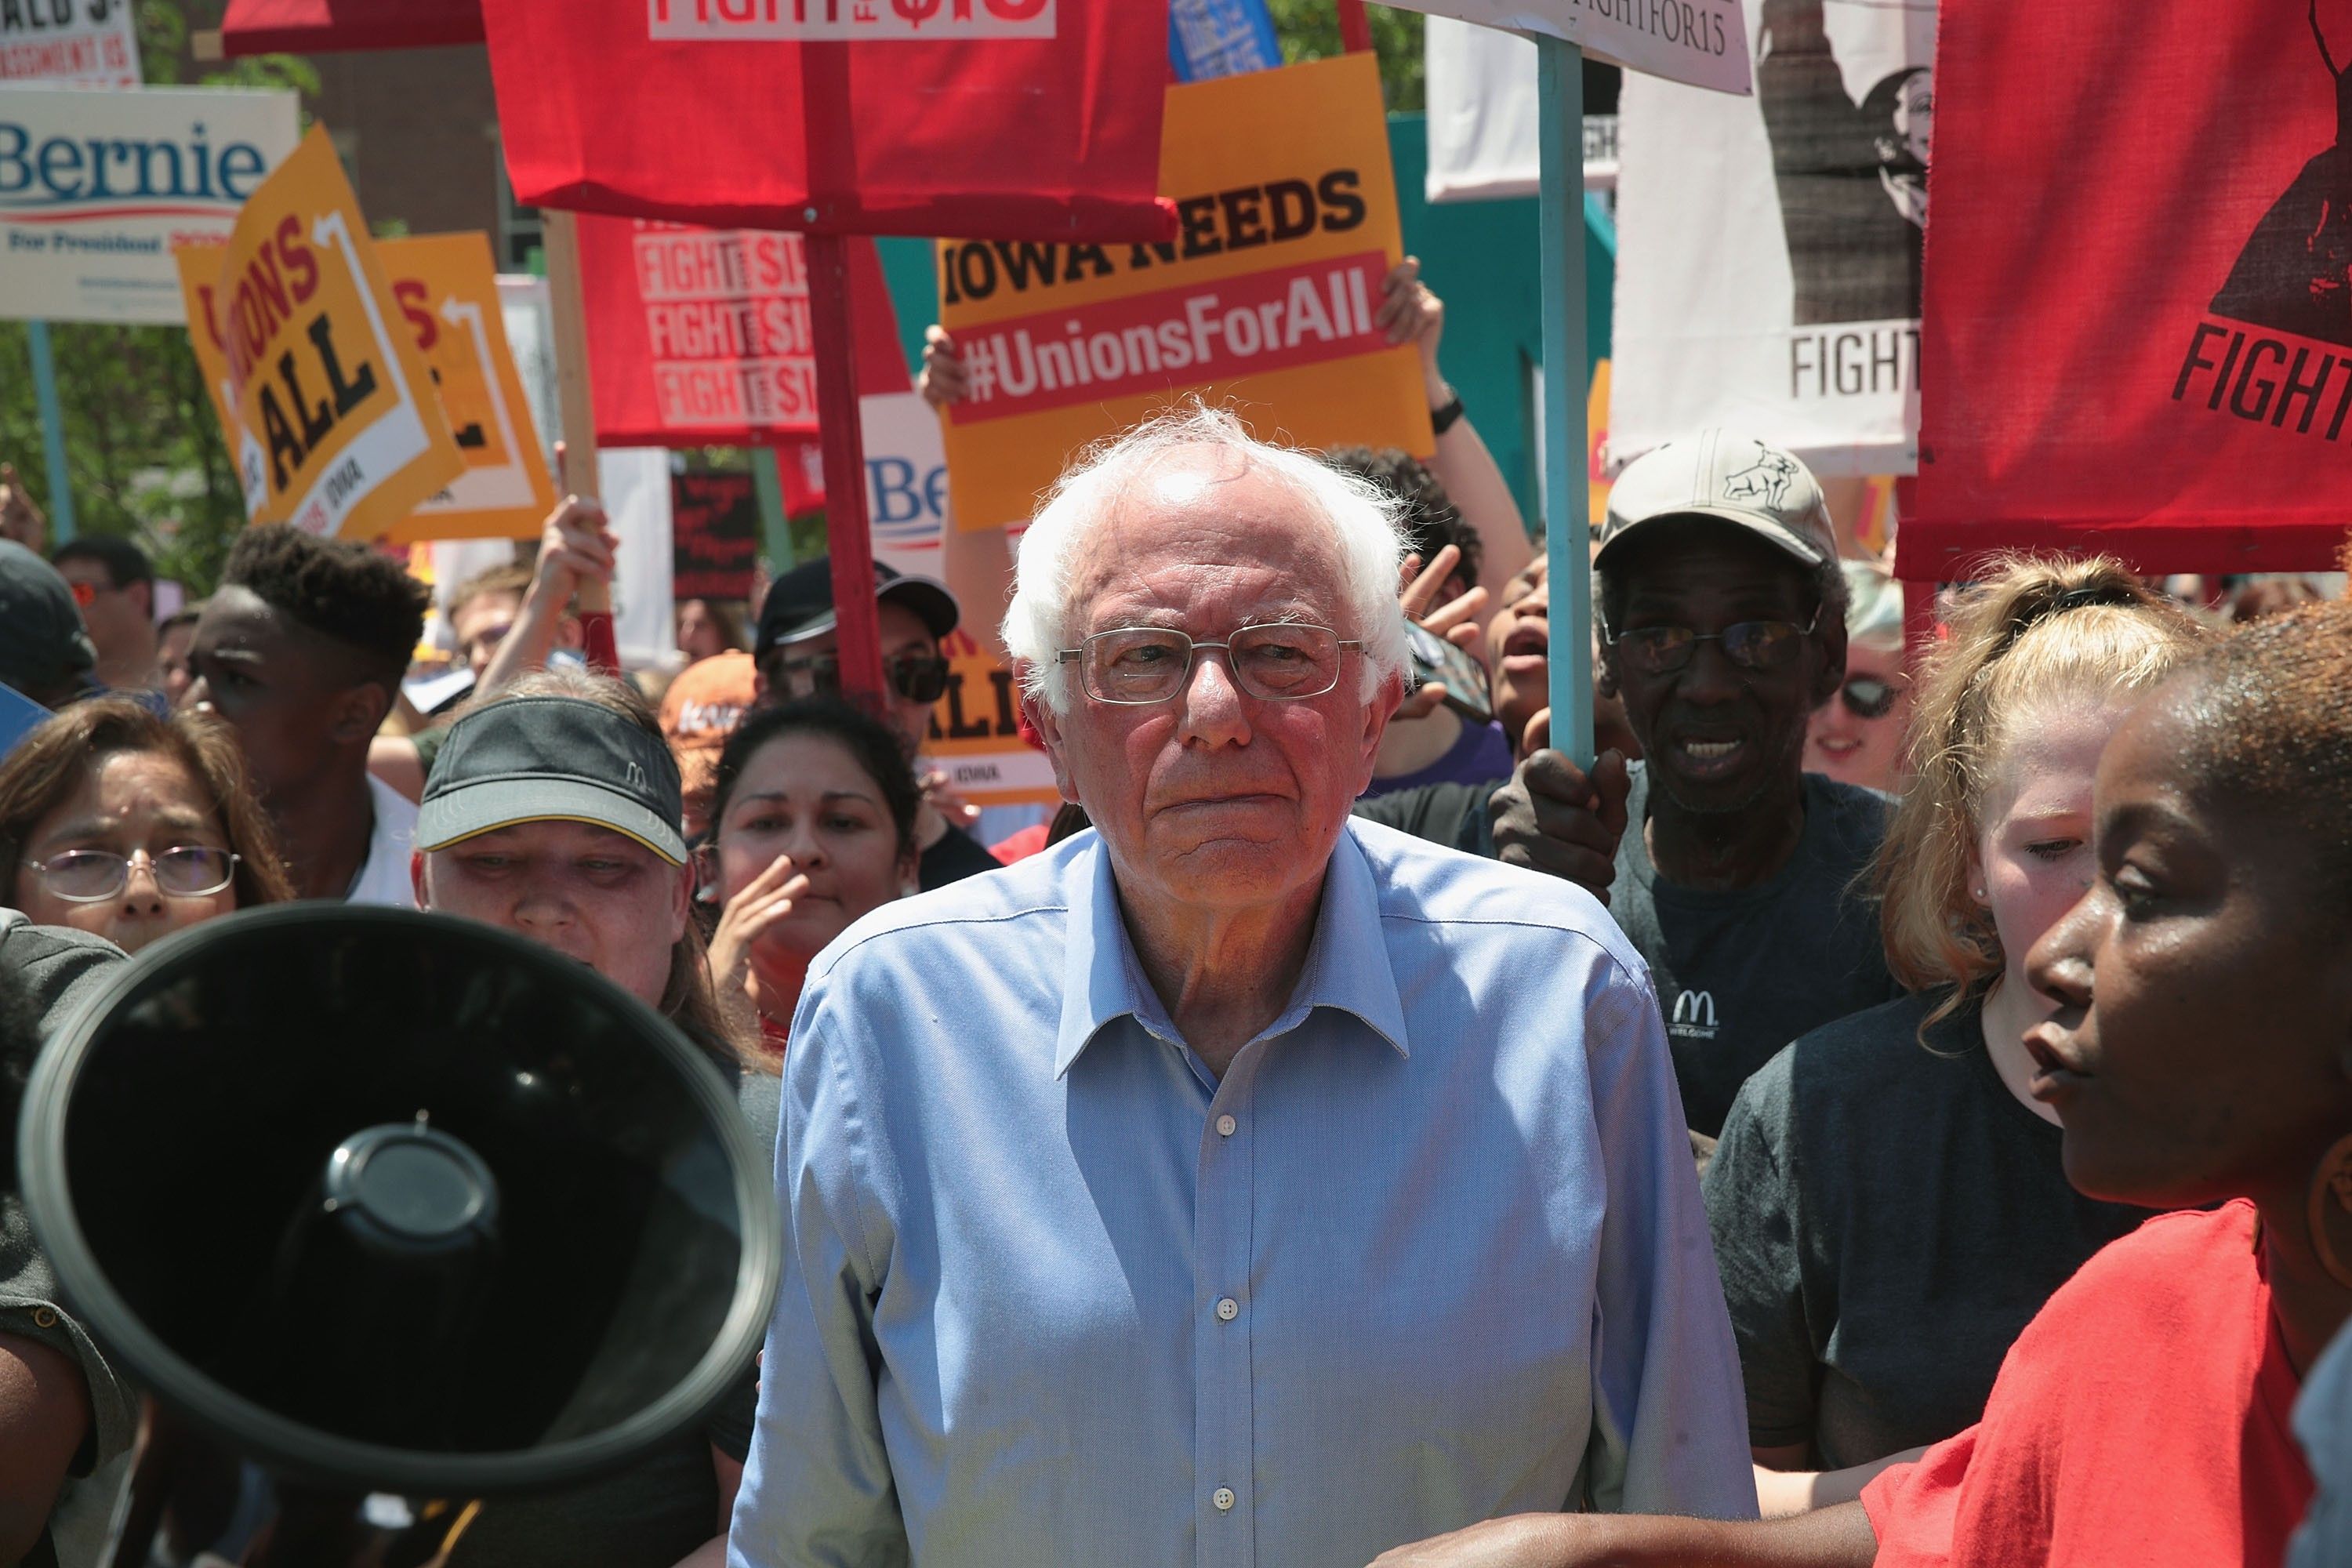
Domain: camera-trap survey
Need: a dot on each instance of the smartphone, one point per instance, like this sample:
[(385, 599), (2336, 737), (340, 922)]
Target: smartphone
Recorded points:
[(1455, 668)]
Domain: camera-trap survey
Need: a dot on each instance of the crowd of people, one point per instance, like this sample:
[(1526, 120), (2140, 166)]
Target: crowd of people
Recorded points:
[(1900, 1088)]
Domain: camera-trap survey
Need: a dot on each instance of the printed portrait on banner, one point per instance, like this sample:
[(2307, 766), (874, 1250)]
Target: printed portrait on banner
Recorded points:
[(2295, 272), (1847, 89)]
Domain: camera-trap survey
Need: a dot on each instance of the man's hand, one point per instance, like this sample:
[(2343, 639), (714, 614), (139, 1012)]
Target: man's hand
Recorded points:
[(575, 547), (942, 379), (20, 519), (1410, 313), (940, 795), (1554, 818), (1518, 1541)]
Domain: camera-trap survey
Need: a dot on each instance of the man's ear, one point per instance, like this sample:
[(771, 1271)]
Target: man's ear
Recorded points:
[(146, 599), (1385, 701), (417, 877), (356, 713), (1041, 718), (1604, 665)]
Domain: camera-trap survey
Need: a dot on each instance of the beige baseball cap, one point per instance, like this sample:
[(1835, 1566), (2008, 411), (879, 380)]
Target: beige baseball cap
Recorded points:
[(1718, 473)]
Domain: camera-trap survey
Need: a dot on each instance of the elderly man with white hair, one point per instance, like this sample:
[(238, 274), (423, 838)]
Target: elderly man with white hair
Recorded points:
[(1236, 1184)]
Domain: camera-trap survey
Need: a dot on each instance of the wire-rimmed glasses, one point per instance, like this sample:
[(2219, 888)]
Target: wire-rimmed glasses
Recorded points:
[(94, 876), (1276, 662)]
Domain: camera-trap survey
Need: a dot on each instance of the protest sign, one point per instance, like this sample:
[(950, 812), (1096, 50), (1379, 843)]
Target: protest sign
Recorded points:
[(1288, 225), (1693, 41), (906, 481), (97, 187), (1220, 38), (1012, 119), (701, 336), (336, 428), (2138, 333), (447, 289), (1483, 121), (315, 26), (976, 737), (1768, 248), (69, 43), (714, 538)]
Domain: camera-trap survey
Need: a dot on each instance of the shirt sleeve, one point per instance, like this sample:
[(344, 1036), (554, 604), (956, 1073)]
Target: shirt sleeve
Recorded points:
[(1754, 1209), (817, 1488), (1913, 1508), (1667, 1414)]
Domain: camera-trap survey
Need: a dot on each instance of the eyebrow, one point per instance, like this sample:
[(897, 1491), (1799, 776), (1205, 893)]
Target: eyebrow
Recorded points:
[(179, 819), (831, 795)]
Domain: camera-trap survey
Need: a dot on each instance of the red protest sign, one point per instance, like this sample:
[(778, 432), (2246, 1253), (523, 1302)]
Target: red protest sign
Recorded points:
[(701, 336), (316, 26), (995, 119), (714, 535), (2138, 328)]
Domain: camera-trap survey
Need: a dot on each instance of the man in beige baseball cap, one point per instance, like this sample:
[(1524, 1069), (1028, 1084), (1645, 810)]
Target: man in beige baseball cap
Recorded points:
[(1722, 627)]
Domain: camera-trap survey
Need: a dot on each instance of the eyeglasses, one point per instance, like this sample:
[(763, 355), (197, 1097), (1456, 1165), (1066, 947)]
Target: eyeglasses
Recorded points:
[(1750, 645), (1277, 663), (1867, 697), (93, 875), (917, 678)]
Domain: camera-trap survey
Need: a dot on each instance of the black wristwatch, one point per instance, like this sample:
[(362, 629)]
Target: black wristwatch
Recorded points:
[(1442, 419)]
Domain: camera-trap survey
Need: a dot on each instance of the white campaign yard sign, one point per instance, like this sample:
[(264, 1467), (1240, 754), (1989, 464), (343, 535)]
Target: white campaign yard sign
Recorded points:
[(1698, 42), (69, 43), (97, 187)]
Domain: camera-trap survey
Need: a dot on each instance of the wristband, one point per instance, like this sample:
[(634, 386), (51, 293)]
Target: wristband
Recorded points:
[(1442, 419)]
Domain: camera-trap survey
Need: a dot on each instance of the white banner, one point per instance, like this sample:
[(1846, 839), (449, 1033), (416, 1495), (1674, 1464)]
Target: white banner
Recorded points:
[(1767, 248), (1693, 41), (1482, 122), (69, 43), (97, 187)]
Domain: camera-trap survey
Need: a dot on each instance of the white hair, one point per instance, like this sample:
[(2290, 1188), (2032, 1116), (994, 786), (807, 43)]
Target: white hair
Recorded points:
[(1361, 519)]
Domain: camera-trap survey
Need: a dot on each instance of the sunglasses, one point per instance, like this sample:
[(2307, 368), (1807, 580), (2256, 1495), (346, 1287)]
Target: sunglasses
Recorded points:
[(1867, 697), (1750, 645), (915, 676)]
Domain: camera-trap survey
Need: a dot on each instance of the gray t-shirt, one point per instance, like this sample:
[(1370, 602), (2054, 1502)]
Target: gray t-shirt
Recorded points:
[(59, 969), (1739, 974), (1887, 1218), (2323, 1421)]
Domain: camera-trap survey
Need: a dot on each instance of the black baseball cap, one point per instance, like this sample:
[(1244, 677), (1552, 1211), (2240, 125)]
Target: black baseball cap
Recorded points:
[(552, 759), (43, 649), (800, 602)]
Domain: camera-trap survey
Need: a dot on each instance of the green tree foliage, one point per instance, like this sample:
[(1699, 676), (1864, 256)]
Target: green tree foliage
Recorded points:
[(1310, 31), (143, 448)]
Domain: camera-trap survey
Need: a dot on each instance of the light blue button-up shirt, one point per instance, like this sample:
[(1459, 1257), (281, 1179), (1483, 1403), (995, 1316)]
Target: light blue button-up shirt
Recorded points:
[(1055, 1295)]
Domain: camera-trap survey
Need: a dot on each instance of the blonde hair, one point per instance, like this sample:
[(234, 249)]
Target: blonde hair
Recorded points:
[(689, 999), (2036, 630)]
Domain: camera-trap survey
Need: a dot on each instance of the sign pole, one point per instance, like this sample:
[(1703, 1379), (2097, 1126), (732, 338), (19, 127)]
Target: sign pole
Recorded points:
[(53, 431), (575, 405), (775, 527), (858, 634), (1560, 86)]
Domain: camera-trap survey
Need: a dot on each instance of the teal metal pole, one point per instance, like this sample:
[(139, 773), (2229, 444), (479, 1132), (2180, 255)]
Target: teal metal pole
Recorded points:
[(776, 529), (1560, 90), (53, 432)]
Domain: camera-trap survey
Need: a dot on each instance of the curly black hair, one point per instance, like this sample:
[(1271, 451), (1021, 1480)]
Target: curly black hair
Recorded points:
[(1430, 521), (337, 588)]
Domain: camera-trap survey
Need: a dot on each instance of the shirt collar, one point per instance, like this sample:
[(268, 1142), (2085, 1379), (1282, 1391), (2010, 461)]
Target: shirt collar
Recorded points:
[(1347, 962)]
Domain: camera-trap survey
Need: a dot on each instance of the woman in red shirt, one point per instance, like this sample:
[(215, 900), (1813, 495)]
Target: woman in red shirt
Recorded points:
[(2201, 1053)]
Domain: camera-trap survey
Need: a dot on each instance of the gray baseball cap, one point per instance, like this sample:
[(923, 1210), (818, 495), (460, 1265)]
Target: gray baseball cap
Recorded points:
[(43, 648), (552, 759), (1720, 474)]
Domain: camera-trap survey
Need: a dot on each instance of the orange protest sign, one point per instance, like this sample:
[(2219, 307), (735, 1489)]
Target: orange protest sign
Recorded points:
[(1288, 225), (336, 429), (200, 270), (976, 737), (447, 289)]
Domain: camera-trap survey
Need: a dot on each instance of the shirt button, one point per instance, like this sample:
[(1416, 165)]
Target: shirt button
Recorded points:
[(1228, 1310), (1223, 1498), (1225, 1126)]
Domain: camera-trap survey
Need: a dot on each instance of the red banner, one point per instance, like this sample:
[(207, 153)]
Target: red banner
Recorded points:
[(701, 336), (995, 119), (2137, 333), (319, 26)]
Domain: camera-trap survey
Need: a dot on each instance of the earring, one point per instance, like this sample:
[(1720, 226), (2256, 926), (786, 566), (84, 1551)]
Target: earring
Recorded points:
[(2330, 1214), (1977, 894)]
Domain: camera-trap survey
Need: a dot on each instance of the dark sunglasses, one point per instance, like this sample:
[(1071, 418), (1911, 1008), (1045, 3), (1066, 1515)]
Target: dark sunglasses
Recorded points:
[(1867, 697), (916, 677), (1750, 645)]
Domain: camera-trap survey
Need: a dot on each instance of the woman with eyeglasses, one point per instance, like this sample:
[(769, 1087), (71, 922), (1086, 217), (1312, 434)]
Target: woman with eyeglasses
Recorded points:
[(1888, 1201), (812, 826), (1857, 737), (116, 822)]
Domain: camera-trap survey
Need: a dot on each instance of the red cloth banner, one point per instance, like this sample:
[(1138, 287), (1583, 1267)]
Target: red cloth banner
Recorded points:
[(320, 26), (701, 336), (2137, 333), (991, 118)]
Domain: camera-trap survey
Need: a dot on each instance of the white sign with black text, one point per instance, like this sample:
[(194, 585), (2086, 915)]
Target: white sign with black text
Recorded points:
[(1692, 41), (69, 43)]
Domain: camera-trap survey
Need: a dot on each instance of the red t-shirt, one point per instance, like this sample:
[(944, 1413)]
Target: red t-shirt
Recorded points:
[(2140, 1422)]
